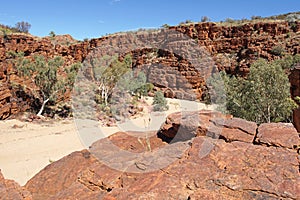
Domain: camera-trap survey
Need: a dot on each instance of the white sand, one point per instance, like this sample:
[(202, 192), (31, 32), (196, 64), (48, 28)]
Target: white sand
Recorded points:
[(29, 147)]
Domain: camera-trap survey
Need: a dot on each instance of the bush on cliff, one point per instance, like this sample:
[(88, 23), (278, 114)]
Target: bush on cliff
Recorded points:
[(23, 26)]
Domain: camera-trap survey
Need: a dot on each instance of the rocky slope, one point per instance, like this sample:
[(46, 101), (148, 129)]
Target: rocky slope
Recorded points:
[(229, 46), (219, 158)]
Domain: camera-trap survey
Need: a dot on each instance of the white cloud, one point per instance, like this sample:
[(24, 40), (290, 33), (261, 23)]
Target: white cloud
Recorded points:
[(114, 1)]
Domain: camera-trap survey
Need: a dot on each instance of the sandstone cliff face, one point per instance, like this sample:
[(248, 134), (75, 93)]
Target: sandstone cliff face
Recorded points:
[(218, 161), (230, 47), (295, 91), (12, 99)]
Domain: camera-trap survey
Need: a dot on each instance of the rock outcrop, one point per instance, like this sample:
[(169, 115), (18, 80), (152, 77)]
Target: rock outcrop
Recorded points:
[(295, 91), (278, 135), (202, 167), (232, 48), (182, 126), (50, 184), (10, 190), (12, 99)]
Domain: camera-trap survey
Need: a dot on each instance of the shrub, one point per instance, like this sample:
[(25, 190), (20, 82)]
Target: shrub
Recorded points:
[(165, 26), (44, 73), (160, 102), (205, 19), (52, 34), (107, 77), (229, 20), (23, 26), (288, 62), (263, 97), (188, 21), (277, 50), (256, 17)]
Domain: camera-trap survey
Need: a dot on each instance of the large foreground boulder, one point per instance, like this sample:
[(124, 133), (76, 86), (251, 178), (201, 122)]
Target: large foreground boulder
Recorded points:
[(141, 166)]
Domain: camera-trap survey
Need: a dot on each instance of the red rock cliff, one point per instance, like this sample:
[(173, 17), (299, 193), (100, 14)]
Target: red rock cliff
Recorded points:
[(232, 48), (295, 91)]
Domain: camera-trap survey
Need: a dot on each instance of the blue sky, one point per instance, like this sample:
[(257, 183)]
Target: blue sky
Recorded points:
[(94, 18)]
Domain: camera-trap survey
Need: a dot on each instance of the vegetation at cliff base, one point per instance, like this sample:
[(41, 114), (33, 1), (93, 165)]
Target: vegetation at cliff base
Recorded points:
[(106, 77), (264, 96), (117, 85), (159, 102), (45, 74)]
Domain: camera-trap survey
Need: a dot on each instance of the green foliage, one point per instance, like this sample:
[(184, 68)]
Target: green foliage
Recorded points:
[(118, 87), (297, 99), (14, 55), (160, 102), (277, 50), (165, 26), (148, 88), (7, 30), (256, 17), (72, 74), (44, 73), (205, 19), (217, 93), (136, 85), (289, 61), (52, 34), (46, 76), (107, 77), (263, 97), (188, 21), (4, 33), (269, 91), (230, 20)]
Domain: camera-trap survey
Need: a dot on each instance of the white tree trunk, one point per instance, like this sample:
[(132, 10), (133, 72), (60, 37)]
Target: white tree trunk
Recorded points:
[(269, 114), (102, 92), (42, 108), (106, 96)]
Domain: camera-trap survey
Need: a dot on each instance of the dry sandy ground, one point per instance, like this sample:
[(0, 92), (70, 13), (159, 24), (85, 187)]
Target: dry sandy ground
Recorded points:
[(26, 148)]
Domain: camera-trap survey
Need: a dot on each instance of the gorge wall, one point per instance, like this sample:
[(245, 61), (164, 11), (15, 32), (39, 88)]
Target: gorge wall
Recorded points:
[(295, 91), (231, 47)]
